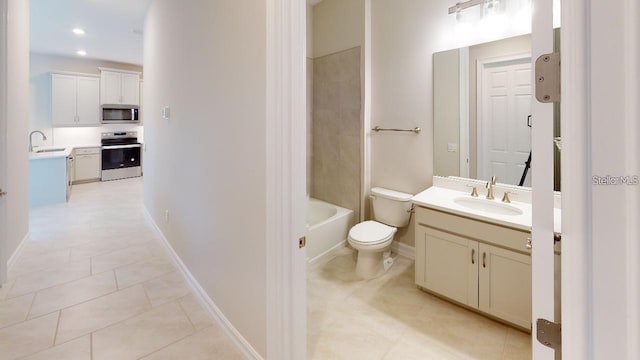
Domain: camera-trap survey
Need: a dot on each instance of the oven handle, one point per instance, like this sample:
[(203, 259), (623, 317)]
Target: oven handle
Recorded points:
[(111, 147)]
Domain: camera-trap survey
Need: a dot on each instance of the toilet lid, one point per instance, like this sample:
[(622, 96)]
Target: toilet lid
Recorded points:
[(371, 233)]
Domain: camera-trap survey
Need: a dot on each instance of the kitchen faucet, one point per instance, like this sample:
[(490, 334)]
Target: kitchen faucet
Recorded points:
[(44, 137), (490, 185)]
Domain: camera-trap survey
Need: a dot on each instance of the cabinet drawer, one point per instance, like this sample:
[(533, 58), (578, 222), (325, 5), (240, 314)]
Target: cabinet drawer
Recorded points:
[(87, 151), (489, 233)]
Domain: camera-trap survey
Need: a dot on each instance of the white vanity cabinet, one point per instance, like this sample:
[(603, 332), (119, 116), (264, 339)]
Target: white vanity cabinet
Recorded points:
[(483, 266), (75, 100), (87, 164), (119, 87)]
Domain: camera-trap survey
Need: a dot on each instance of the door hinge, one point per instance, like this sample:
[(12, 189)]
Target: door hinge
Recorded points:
[(548, 78), (302, 242), (549, 334)]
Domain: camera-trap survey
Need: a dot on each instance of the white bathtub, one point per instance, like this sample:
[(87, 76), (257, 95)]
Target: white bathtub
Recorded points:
[(327, 228)]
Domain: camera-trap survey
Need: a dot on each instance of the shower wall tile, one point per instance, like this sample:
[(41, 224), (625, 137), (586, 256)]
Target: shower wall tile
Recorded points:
[(337, 130)]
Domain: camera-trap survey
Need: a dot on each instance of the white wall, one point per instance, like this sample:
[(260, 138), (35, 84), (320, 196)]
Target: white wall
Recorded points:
[(41, 66), (338, 25), (404, 37), (17, 200), (206, 165)]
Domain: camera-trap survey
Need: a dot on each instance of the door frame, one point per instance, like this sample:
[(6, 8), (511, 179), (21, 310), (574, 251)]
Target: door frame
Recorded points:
[(480, 128), (3, 138), (286, 179)]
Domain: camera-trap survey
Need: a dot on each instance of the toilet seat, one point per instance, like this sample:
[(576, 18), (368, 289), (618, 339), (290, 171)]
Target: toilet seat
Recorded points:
[(371, 233)]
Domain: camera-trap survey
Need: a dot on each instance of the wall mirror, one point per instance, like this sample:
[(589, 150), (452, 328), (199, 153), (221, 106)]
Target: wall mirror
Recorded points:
[(482, 106)]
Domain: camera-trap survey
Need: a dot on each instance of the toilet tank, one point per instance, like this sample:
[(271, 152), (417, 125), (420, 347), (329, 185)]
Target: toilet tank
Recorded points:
[(391, 207)]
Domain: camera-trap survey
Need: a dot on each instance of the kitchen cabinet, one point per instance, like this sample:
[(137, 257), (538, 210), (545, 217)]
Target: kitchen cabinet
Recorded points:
[(75, 100), (87, 165), (49, 179), (119, 87), (483, 266)]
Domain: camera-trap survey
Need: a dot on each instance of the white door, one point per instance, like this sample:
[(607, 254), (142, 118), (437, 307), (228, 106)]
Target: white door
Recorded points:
[(506, 93), (110, 88), (88, 101), (3, 139), (542, 255)]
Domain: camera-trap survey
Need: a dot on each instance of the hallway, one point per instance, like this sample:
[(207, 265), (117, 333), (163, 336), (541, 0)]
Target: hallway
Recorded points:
[(95, 282)]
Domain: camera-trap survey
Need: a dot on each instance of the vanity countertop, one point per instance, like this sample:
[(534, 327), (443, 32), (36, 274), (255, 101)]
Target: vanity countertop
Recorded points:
[(442, 199)]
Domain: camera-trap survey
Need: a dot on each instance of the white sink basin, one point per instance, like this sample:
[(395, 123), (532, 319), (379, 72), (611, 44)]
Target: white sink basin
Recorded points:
[(489, 206)]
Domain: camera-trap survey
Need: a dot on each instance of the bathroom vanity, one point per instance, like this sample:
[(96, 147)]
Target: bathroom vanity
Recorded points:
[(475, 252)]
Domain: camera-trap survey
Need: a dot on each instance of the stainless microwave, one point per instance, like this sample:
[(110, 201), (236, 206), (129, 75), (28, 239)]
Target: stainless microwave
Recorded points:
[(119, 114)]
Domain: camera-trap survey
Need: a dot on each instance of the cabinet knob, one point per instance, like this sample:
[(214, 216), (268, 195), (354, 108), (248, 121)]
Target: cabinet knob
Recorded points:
[(528, 245)]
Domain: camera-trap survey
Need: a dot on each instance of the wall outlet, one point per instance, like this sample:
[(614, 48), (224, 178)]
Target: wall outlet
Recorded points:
[(166, 215)]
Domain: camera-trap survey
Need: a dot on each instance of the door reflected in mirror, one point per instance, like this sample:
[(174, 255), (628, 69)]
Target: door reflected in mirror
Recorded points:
[(482, 107)]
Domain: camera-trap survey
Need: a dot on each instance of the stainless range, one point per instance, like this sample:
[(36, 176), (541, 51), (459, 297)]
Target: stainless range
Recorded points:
[(120, 155)]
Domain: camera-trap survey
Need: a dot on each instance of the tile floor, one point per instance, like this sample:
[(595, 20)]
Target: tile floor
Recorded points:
[(94, 282), (390, 318)]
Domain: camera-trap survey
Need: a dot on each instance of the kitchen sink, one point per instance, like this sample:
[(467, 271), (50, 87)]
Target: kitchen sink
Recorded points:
[(48, 150)]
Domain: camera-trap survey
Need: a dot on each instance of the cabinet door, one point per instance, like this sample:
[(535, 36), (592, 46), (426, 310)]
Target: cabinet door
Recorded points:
[(130, 89), (87, 167), (505, 284), (88, 103), (63, 100), (110, 88), (450, 265)]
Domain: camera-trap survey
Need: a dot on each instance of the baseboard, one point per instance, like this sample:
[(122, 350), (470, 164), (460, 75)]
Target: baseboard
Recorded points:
[(207, 303), (403, 250), (16, 254)]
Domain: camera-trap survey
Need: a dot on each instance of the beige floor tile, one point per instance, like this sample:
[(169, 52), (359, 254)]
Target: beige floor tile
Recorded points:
[(210, 343), (112, 260), (96, 314), (518, 346), (31, 262), (357, 342), (72, 293), (15, 310), (141, 272), (142, 334), (52, 276), (166, 288), (109, 243), (28, 337), (5, 288), (78, 349), (198, 316)]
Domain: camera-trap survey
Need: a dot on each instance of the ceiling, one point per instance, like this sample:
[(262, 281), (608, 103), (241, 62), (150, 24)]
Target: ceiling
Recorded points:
[(113, 28)]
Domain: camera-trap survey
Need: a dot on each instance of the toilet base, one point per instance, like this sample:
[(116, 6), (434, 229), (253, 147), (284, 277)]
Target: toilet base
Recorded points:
[(371, 264)]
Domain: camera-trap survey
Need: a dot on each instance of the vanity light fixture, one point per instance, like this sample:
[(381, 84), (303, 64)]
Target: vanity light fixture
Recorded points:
[(488, 5), (78, 31), (81, 52)]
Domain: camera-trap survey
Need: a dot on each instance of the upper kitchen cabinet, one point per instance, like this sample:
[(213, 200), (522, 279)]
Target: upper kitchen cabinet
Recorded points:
[(75, 100), (119, 87)]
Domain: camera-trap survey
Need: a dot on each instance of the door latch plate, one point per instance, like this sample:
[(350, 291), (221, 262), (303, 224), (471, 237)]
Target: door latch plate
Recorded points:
[(548, 78), (549, 334), (302, 242)]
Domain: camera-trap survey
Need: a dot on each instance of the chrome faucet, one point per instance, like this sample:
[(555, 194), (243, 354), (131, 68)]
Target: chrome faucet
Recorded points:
[(44, 137), (490, 185)]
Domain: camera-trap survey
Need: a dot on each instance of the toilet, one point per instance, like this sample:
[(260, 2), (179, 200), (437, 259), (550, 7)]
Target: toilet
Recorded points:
[(372, 239)]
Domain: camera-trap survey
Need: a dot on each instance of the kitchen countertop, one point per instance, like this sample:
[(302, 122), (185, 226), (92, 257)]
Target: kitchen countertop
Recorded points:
[(439, 198), (57, 154)]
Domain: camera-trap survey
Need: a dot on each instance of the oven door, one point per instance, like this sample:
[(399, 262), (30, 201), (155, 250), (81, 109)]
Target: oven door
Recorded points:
[(120, 161)]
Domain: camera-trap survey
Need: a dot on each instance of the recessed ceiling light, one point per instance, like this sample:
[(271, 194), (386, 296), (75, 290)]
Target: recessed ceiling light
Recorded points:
[(81, 52), (78, 31)]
